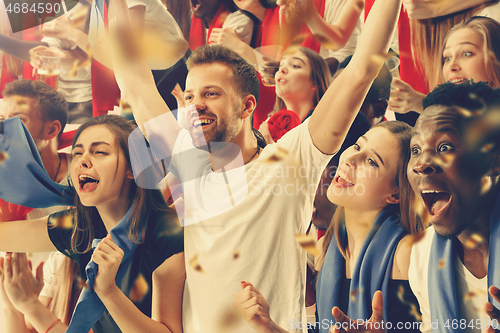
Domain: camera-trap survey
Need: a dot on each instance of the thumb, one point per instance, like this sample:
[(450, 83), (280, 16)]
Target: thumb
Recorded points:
[(39, 273), (378, 306), (245, 284)]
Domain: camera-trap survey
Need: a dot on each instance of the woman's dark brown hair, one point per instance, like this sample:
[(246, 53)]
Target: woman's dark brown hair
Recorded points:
[(143, 200)]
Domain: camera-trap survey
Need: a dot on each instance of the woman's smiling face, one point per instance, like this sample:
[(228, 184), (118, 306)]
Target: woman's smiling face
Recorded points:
[(99, 170)]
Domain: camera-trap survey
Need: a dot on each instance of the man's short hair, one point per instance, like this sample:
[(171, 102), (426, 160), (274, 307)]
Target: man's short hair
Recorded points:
[(469, 95), (244, 74), (53, 105)]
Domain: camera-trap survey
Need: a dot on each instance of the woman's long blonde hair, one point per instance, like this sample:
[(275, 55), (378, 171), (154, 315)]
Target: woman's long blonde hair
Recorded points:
[(428, 37)]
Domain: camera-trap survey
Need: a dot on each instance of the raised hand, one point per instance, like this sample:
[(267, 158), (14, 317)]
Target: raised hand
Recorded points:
[(404, 98), (21, 287), (253, 307), (373, 325), (108, 256)]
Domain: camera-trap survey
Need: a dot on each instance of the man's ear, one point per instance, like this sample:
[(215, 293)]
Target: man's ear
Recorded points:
[(249, 103), (52, 129), (393, 198)]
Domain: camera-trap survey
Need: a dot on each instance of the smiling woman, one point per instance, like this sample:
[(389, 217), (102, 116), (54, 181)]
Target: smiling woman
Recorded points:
[(137, 229)]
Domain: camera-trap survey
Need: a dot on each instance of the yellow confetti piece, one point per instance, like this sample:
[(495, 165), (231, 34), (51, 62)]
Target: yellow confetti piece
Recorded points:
[(413, 308), (326, 42), (308, 243), (62, 221), (4, 156), (81, 283), (422, 211), (353, 295), (236, 254), (379, 59), (195, 264), (228, 320), (474, 241), (279, 155), (441, 263), (139, 289)]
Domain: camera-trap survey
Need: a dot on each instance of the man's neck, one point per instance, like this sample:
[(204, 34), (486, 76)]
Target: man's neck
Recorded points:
[(55, 164), (226, 158)]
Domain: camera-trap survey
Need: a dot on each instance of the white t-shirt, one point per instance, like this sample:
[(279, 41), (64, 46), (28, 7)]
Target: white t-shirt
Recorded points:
[(471, 289), (50, 270), (157, 19), (332, 11), (242, 24), (253, 239)]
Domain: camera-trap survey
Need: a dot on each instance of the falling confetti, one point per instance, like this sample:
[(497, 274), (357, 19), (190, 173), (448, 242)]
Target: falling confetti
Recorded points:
[(354, 295), (326, 42), (81, 283), (308, 243), (415, 238), (195, 264), (422, 211), (441, 263), (139, 289), (3, 156), (279, 155), (21, 102), (413, 308), (379, 59), (236, 254), (81, 63), (474, 241), (229, 319), (63, 221)]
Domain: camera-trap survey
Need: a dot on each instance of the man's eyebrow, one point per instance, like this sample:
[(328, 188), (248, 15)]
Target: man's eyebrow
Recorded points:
[(414, 134), (373, 150), (448, 129)]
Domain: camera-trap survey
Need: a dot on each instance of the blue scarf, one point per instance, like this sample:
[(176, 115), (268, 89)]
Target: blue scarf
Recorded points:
[(23, 179), (372, 271), (90, 308), (443, 300)]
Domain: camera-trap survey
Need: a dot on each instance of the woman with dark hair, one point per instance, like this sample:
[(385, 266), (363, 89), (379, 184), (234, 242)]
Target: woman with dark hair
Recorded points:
[(302, 79), (135, 274)]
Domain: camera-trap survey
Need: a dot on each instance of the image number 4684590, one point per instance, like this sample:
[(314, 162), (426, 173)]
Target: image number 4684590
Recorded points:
[(26, 14)]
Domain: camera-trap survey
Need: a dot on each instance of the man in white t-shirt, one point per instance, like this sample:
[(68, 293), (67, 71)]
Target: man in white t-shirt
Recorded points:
[(453, 170), (244, 202)]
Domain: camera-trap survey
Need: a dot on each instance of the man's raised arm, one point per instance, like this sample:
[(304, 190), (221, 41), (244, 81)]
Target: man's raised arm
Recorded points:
[(134, 77), (337, 109)]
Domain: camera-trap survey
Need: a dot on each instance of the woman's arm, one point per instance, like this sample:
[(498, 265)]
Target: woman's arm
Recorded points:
[(25, 236), (329, 125), (22, 289), (168, 286), (18, 48), (423, 9), (338, 33)]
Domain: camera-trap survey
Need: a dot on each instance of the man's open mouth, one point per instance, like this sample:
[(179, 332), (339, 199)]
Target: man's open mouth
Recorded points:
[(436, 201)]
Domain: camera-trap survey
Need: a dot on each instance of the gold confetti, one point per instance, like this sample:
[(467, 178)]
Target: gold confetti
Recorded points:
[(486, 184), (441, 263), (422, 211), (326, 42), (236, 254), (126, 108), (4, 156), (228, 320), (139, 290), (415, 238), (379, 59), (195, 264), (487, 147), (62, 221), (279, 155), (413, 308), (21, 102), (308, 243), (81, 283), (354, 294), (474, 241)]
